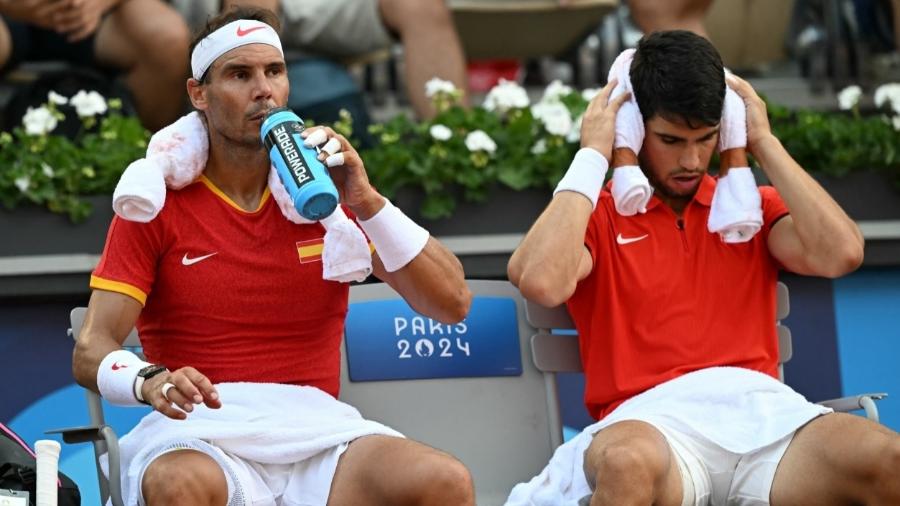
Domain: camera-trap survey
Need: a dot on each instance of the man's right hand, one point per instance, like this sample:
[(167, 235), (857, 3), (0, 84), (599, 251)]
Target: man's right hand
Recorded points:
[(598, 128), (191, 387)]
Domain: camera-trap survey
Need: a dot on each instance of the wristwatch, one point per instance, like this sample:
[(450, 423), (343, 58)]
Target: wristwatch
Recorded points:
[(143, 375)]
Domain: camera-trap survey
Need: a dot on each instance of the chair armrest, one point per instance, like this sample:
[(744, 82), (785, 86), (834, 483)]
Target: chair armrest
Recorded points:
[(863, 401), (75, 435), (91, 433)]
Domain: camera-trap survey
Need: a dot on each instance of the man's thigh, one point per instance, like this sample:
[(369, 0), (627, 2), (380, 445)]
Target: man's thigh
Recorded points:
[(388, 470), (633, 440), (837, 459)]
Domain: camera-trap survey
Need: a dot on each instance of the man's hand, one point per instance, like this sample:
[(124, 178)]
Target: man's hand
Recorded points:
[(598, 128), (347, 171), (40, 13), (81, 18), (758, 127), (191, 388)]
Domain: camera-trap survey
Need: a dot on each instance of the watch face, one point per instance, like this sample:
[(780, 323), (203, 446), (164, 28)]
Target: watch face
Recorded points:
[(151, 370)]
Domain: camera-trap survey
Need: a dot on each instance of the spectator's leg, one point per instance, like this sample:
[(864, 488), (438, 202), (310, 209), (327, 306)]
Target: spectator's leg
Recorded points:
[(149, 40), (630, 463), (430, 44), (839, 459), (382, 470), (896, 6), (184, 477), (5, 43), (656, 15)]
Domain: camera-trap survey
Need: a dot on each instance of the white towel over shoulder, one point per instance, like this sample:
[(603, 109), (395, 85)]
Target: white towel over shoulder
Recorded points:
[(263, 422), (631, 189), (177, 155), (737, 409)]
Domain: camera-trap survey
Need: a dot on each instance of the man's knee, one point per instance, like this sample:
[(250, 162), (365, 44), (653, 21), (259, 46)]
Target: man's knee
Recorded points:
[(887, 474), (445, 481), (184, 477), (631, 460), (158, 31), (420, 13)]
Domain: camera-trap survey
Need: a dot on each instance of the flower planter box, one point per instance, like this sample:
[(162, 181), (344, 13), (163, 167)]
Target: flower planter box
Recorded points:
[(32, 230)]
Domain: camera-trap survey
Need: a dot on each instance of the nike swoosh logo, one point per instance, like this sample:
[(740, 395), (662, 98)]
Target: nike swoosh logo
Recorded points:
[(241, 33), (629, 240), (192, 261), (116, 366)]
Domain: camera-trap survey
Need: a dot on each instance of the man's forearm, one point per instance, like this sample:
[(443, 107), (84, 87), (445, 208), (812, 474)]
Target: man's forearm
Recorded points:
[(546, 266), (433, 283), (828, 235)]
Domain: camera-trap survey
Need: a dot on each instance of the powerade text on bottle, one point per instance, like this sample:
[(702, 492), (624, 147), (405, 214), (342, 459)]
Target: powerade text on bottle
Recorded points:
[(304, 177)]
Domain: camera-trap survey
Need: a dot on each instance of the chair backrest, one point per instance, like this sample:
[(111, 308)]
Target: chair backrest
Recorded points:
[(502, 422), (555, 353), (531, 28)]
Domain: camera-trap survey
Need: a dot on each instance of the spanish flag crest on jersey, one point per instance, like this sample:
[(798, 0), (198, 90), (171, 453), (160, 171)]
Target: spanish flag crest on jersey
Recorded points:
[(311, 250)]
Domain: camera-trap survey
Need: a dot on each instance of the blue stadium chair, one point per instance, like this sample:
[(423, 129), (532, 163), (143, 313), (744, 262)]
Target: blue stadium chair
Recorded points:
[(470, 389)]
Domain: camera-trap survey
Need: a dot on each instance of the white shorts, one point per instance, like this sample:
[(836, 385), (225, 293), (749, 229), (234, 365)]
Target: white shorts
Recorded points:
[(305, 483), (713, 475)]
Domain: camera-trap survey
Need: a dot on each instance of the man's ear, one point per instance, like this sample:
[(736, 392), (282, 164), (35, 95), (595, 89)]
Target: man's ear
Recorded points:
[(197, 92)]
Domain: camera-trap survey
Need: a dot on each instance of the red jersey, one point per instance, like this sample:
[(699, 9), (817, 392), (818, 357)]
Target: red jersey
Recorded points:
[(667, 297), (238, 295)]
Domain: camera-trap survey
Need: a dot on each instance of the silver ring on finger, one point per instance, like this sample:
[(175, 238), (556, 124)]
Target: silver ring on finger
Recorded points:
[(165, 390)]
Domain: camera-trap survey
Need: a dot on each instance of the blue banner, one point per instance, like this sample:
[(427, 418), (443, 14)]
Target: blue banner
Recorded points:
[(387, 340)]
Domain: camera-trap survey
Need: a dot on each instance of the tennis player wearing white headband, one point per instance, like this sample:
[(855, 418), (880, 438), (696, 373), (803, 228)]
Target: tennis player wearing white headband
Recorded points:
[(223, 295)]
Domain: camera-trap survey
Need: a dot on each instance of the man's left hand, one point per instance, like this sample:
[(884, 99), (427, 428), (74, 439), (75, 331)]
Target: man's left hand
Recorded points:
[(347, 171)]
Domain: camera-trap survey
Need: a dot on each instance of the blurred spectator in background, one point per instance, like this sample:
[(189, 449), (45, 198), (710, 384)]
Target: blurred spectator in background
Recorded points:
[(344, 29), (657, 15), (146, 39)]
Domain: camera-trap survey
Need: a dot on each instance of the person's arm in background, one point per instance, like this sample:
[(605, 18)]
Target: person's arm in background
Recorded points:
[(818, 238), (552, 257), (432, 281)]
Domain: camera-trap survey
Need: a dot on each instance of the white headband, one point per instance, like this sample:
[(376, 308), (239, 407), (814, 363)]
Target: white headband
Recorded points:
[(235, 34)]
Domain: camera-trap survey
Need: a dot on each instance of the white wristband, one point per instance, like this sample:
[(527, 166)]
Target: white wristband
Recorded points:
[(397, 238), (116, 377), (585, 175)]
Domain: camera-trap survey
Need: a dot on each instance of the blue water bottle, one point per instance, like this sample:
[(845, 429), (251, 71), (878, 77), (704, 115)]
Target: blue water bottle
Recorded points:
[(304, 177)]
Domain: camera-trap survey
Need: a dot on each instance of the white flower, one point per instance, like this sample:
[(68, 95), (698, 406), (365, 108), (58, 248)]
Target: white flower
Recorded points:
[(480, 141), (888, 93), (540, 147), (88, 103), (22, 183), (47, 170), (849, 97), (440, 132), (505, 96), (436, 85), (38, 121), (575, 133), (589, 93), (555, 90), (56, 98), (554, 115)]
